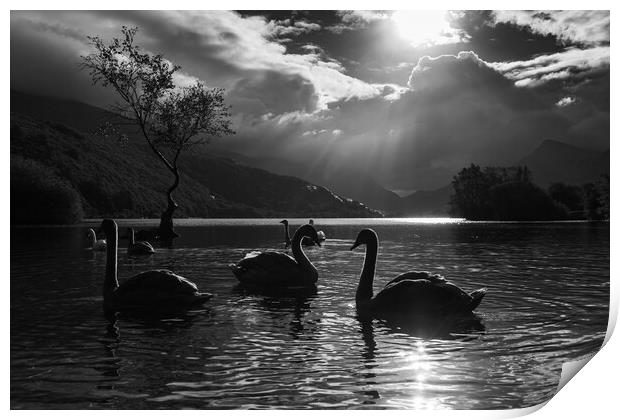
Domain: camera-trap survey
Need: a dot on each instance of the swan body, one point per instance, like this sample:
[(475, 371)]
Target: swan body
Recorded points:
[(138, 248), (95, 244), (415, 292), (150, 291), (277, 271)]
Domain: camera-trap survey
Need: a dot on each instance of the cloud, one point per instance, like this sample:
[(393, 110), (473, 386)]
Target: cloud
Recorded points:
[(587, 27), (573, 64), (565, 101), (220, 47), (352, 20), (305, 107), (271, 92), (459, 110), (283, 28)]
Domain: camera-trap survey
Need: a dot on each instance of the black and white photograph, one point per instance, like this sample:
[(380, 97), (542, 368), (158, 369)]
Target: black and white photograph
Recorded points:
[(306, 209)]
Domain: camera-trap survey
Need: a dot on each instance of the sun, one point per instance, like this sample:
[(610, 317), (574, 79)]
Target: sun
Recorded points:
[(424, 27)]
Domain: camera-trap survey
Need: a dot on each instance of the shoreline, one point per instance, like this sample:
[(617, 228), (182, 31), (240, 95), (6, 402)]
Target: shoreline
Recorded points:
[(384, 221)]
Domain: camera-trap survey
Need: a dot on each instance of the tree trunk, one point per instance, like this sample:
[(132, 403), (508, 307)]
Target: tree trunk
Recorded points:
[(166, 226)]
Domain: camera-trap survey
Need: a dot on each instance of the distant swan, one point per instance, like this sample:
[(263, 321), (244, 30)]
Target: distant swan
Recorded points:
[(320, 233), (138, 248), (150, 291), (276, 271), (94, 243), (305, 241), (419, 293), (287, 237)]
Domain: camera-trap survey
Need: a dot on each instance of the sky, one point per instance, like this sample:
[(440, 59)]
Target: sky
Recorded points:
[(407, 97)]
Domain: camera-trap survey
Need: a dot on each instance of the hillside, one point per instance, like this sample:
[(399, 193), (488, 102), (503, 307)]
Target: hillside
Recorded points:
[(361, 187), (426, 203), (343, 181), (554, 161), (125, 180)]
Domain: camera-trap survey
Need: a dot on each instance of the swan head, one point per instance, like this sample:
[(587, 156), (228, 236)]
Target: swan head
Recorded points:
[(311, 222), (91, 234), (309, 232), (365, 237), (284, 222)]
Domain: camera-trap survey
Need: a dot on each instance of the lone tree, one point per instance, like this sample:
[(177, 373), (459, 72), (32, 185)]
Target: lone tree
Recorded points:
[(171, 119)]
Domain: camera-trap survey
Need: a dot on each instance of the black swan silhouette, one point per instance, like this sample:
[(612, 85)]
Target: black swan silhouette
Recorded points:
[(138, 248), (416, 292), (277, 271), (150, 291), (306, 241), (94, 243)]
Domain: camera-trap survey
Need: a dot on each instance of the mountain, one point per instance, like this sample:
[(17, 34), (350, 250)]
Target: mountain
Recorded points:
[(348, 182), (124, 179), (426, 203), (554, 161), (356, 184)]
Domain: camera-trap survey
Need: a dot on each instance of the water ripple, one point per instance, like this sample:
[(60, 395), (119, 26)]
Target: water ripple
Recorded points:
[(547, 303)]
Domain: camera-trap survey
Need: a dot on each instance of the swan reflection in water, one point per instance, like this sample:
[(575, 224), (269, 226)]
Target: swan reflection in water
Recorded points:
[(278, 305), (170, 322), (110, 364)]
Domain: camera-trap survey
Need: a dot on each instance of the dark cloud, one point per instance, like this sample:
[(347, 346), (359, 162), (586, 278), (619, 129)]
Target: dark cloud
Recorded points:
[(502, 41), (271, 92), (459, 111), (47, 65)]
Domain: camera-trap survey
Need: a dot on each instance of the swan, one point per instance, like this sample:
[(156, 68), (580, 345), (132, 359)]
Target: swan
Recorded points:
[(276, 271), (138, 248), (95, 244), (320, 233), (415, 292), (287, 237), (150, 291), (306, 241)]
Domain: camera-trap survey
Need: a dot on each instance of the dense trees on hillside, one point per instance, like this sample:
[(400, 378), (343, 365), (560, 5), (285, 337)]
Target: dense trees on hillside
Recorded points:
[(496, 193), (596, 198), (112, 181), (171, 119), (39, 196)]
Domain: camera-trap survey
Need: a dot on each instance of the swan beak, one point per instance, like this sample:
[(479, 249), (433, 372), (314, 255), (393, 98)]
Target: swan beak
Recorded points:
[(318, 243), (355, 245)]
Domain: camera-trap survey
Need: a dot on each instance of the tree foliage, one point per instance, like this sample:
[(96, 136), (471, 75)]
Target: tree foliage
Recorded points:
[(171, 119), (596, 199), (39, 196), (569, 195), (495, 193)]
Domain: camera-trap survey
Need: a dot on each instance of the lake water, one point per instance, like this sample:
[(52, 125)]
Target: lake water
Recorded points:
[(547, 302)]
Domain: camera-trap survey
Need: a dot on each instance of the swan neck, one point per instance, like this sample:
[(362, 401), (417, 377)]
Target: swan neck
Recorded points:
[(93, 238), (287, 236), (299, 254), (364, 288), (111, 281)]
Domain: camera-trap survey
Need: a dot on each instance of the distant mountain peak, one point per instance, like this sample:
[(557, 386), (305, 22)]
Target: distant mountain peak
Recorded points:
[(556, 161)]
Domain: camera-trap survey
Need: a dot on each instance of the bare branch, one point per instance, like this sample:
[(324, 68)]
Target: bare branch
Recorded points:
[(171, 120)]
